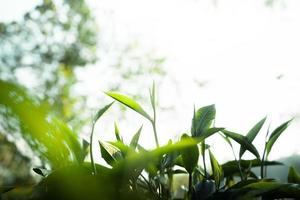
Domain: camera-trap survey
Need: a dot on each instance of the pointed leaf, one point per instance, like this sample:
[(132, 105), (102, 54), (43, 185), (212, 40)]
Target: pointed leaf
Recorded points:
[(231, 168), (243, 141), (152, 96), (101, 112), (275, 134), (117, 132), (129, 103), (189, 155), (146, 158), (216, 169), (135, 139), (109, 153), (252, 134), (209, 132), (203, 119), (293, 176), (124, 149)]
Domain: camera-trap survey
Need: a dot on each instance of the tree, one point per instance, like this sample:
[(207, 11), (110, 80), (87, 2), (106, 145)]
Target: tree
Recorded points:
[(49, 43)]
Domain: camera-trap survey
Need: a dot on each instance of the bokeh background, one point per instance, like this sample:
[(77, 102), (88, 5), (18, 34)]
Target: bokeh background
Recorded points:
[(240, 55)]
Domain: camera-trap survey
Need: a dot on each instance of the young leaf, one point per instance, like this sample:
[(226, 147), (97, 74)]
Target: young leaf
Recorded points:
[(129, 103), (105, 154), (252, 134), (243, 141), (293, 176), (85, 150), (275, 134), (123, 148), (135, 138), (101, 112), (152, 96), (230, 168), (202, 120), (216, 169), (189, 155), (144, 158), (109, 153), (117, 132), (209, 132)]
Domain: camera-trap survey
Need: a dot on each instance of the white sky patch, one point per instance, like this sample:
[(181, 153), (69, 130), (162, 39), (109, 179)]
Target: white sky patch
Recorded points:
[(235, 49)]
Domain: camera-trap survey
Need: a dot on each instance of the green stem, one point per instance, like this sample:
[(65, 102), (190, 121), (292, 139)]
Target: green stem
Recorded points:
[(190, 186), (204, 165), (262, 162), (170, 177), (238, 163), (91, 150), (155, 134), (154, 127)]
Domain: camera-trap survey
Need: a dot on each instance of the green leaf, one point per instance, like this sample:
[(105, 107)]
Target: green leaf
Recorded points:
[(231, 168), (252, 134), (101, 112), (209, 132), (169, 160), (202, 120), (124, 149), (135, 138), (271, 189), (129, 103), (49, 137), (109, 153), (189, 155), (216, 169), (275, 134), (243, 141), (145, 158), (152, 96), (293, 176), (117, 132)]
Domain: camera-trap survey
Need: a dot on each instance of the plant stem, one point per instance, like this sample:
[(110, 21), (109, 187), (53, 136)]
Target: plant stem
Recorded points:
[(170, 177), (262, 162), (91, 150), (154, 126), (155, 134), (238, 162), (190, 186), (204, 165), (153, 121)]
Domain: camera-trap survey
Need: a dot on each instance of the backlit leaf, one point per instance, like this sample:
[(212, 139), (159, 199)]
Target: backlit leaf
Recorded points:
[(203, 119), (243, 141), (252, 134), (216, 169), (129, 103), (189, 155), (117, 132), (135, 139), (101, 112), (293, 176), (275, 134)]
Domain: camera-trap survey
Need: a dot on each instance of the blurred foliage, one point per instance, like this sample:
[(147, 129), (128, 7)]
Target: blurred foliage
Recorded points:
[(48, 136), (14, 166), (42, 51), (50, 42), (134, 172)]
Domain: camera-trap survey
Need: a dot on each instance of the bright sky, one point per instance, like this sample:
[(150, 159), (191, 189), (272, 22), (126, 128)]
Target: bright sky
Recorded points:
[(235, 48)]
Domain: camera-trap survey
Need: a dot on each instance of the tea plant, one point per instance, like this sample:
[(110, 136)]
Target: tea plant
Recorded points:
[(135, 172)]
